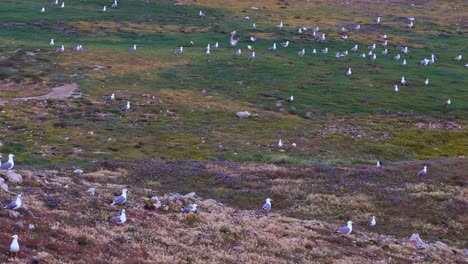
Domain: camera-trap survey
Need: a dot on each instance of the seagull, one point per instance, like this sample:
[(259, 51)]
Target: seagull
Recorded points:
[(433, 58), (250, 47), (15, 204), (126, 107), (357, 27), (374, 57), (355, 48), (325, 51), (448, 102), (9, 164), (284, 44), (301, 53), (424, 62), (411, 18), (120, 219), (373, 46), (245, 19), (254, 26), (396, 88), (63, 5), (411, 24), (404, 62), (290, 99), (251, 57), (405, 50), (397, 57), (299, 31), (458, 58), (343, 29), (52, 42), (121, 199), (422, 172), (190, 209), (133, 49), (115, 4), (179, 50), (253, 39), (104, 8), (293, 145), (42, 10), (372, 222), (216, 45), (280, 143), (55, 3), (201, 14), (272, 48), (280, 25), (14, 246), (403, 81), (348, 73), (426, 82), (321, 38), (238, 52), (363, 55), (267, 205), (378, 20), (347, 229), (77, 48), (232, 40), (384, 36), (385, 43), (385, 52), (314, 51), (378, 165), (208, 49), (112, 97), (344, 37)]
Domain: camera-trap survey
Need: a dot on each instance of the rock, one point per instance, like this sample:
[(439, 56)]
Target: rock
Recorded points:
[(175, 196), (190, 195), (13, 176), (31, 226), (78, 171), (19, 224), (243, 114), (4, 187), (417, 242), (15, 214), (465, 251)]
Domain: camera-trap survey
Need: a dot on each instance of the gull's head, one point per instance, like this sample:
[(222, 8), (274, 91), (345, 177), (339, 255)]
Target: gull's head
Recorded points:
[(124, 191), (11, 156), (19, 196), (123, 211), (194, 206), (268, 200), (15, 236), (373, 217), (425, 167), (350, 223)]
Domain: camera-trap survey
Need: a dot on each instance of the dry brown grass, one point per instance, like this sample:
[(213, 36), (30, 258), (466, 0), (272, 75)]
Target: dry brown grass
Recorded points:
[(103, 27)]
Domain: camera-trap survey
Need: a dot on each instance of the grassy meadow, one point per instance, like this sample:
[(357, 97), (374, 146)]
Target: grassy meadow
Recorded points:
[(182, 133)]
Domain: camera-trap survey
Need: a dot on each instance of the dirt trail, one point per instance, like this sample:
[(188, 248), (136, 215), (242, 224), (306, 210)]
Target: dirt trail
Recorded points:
[(60, 92)]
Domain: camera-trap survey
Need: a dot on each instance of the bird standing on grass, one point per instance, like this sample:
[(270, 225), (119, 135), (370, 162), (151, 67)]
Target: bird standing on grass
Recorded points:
[(238, 52), (133, 49), (121, 199), (15, 204), (119, 219), (346, 230), (251, 57), (422, 172), (348, 73), (9, 164), (301, 53), (396, 88), (42, 10), (14, 246), (403, 81), (280, 25), (115, 4), (126, 108), (179, 50), (448, 102), (426, 82), (52, 42), (280, 143), (372, 222), (267, 204), (190, 209), (378, 165)]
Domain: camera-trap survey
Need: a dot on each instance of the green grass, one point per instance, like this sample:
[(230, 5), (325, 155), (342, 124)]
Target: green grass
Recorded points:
[(324, 97)]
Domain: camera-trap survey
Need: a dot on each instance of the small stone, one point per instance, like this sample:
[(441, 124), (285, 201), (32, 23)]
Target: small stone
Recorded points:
[(78, 171), (19, 224), (4, 187), (31, 226), (190, 195), (14, 177), (175, 196), (417, 241), (91, 190)]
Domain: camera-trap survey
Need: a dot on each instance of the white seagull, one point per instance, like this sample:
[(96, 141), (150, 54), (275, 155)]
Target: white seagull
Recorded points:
[(179, 50), (121, 199), (280, 143), (426, 82), (112, 97), (119, 219), (250, 47), (52, 42), (253, 39), (372, 222), (14, 246), (190, 209), (284, 44), (272, 48), (115, 4), (378, 20), (458, 58), (61, 49), (378, 165), (126, 108), (9, 164), (208, 49), (423, 171), (325, 51), (133, 49), (280, 25), (301, 53), (403, 81), (397, 57), (348, 73), (290, 99), (251, 57), (238, 52), (254, 26), (385, 52), (42, 10), (63, 5), (355, 48), (201, 14), (267, 205), (404, 62), (448, 102), (232, 40), (15, 203), (55, 3), (347, 229), (396, 88)]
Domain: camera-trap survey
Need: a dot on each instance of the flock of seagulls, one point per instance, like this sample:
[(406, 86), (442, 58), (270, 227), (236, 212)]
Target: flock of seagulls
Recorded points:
[(120, 219)]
